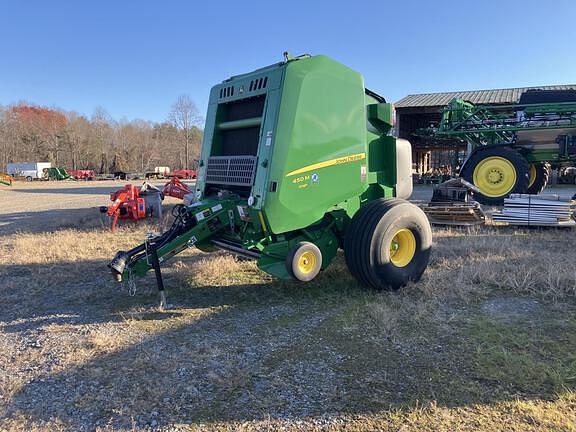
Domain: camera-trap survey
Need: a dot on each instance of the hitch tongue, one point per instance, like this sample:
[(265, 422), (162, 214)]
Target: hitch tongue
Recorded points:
[(118, 264)]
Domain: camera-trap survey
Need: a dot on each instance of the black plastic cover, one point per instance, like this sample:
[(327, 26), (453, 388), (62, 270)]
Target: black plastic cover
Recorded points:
[(547, 96)]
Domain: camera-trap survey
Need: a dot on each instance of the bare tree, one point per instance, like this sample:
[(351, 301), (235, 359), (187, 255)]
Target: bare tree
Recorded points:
[(185, 116), (34, 133)]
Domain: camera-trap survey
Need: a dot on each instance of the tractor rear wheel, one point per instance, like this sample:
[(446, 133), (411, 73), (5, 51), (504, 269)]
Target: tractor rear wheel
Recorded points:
[(496, 172), (539, 173), (388, 244)]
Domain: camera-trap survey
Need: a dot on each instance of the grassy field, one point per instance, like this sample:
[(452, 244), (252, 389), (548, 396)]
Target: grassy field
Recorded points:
[(486, 341)]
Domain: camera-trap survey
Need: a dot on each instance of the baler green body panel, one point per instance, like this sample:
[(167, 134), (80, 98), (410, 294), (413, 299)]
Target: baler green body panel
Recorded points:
[(319, 145)]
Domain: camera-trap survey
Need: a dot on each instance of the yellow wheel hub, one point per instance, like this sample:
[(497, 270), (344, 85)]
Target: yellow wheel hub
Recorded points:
[(532, 173), (402, 248), (307, 262), (495, 176)]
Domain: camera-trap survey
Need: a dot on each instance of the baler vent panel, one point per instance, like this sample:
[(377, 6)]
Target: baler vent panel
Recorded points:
[(258, 84), (226, 92), (231, 170)]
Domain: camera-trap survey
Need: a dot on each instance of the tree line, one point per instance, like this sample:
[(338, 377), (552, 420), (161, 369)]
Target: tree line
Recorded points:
[(30, 133)]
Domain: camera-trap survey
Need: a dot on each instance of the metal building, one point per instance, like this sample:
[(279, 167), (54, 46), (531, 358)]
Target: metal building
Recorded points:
[(443, 156)]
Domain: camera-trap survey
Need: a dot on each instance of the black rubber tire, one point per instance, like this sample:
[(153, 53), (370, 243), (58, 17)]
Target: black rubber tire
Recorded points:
[(368, 238), (28, 178), (518, 161), (542, 176), (293, 257)]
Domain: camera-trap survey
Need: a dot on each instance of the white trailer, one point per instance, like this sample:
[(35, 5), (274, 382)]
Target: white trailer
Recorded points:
[(29, 170), (162, 170), (159, 172)]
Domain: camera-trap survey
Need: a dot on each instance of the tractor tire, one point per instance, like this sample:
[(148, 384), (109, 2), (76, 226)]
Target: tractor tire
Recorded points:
[(539, 174), (388, 244), (497, 172), (304, 261)]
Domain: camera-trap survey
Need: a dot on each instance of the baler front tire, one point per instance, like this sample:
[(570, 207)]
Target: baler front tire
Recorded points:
[(388, 244), (304, 261)]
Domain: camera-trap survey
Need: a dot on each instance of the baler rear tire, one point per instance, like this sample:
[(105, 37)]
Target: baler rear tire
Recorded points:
[(373, 250)]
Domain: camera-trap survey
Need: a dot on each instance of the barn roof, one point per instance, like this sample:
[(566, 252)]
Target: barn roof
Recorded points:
[(497, 96)]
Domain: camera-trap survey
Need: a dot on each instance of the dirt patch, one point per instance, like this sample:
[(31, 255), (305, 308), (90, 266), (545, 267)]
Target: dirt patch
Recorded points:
[(510, 308)]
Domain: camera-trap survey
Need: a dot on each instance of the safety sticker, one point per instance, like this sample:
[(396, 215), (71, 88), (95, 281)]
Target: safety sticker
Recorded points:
[(203, 215), (268, 138)]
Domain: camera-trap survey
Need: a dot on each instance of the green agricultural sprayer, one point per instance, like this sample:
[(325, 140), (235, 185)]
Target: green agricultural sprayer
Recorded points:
[(297, 163), (513, 147), (56, 174)]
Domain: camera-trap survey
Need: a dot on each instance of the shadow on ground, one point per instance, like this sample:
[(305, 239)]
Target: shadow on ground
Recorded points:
[(80, 219), (51, 220)]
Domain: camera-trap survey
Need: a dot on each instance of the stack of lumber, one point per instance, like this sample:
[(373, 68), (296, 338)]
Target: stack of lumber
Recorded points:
[(454, 213), (537, 210)]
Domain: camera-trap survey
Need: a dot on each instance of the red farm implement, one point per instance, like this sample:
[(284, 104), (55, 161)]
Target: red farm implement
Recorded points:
[(134, 203), (5, 179), (175, 188), (183, 174), (82, 174)]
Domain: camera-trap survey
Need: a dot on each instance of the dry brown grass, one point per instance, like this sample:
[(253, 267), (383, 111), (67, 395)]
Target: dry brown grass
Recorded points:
[(529, 262), (242, 351)]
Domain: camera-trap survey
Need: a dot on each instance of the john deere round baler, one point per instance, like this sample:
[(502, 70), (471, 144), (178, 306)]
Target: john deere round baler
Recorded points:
[(297, 162)]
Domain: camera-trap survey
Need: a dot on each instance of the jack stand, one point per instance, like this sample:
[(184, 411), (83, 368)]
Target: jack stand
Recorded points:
[(163, 304), (159, 282)]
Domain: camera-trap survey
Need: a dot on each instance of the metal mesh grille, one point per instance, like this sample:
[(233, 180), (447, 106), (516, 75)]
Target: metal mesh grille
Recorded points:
[(231, 170)]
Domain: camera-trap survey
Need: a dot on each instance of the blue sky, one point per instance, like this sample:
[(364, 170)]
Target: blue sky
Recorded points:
[(134, 58)]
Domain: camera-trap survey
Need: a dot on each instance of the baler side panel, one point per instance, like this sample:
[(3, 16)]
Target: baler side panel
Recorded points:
[(208, 137), (382, 154), (320, 143), (267, 139)]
